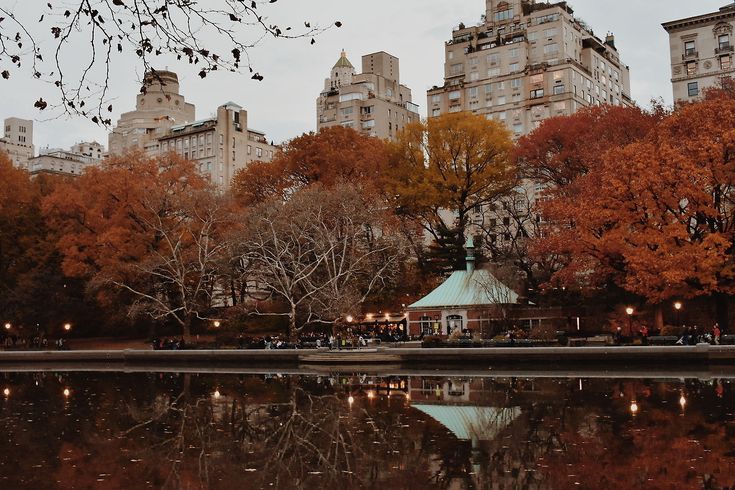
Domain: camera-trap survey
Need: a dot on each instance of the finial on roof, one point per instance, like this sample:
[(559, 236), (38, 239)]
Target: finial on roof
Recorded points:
[(470, 247)]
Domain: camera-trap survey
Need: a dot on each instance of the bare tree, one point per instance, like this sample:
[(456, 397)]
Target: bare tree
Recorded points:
[(179, 279), (89, 35), (323, 252)]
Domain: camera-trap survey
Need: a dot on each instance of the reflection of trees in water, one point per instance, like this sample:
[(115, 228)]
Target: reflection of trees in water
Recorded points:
[(174, 432)]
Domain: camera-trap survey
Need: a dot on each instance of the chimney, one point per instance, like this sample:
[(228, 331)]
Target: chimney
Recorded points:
[(470, 247), (610, 40)]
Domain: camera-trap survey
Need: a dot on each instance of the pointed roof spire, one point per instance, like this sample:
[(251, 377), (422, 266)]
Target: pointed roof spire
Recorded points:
[(470, 247), (343, 62)]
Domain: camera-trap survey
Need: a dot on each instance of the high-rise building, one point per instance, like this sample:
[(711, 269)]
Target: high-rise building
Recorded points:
[(90, 149), (701, 52), (17, 141), (526, 62), (158, 107), (164, 122), (372, 102), (220, 145)]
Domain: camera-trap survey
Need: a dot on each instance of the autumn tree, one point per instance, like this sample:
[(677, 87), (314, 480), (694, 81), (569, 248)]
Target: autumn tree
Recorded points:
[(321, 253), (332, 156), (150, 229), (655, 217), (73, 45), (443, 170), (549, 160)]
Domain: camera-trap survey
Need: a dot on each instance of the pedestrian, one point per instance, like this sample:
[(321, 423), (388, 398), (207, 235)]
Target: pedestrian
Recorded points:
[(618, 336), (644, 334), (716, 333)]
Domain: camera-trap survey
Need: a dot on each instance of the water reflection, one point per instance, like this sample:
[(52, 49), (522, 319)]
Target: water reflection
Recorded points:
[(168, 430)]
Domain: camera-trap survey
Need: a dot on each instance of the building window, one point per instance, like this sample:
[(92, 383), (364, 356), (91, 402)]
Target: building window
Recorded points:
[(436, 112), (493, 59), (258, 152), (455, 95), (693, 89), (691, 68), (503, 15), (493, 72), (690, 49), (473, 61), (426, 328), (538, 93), (551, 32), (558, 89), (457, 69), (551, 49), (501, 100), (514, 67), (474, 76), (725, 62), (536, 79), (473, 92), (513, 52), (436, 99), (723, 41), (516, 83)]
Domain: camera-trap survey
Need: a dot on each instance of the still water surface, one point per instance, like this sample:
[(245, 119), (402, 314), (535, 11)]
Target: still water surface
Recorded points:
[(240, 431)]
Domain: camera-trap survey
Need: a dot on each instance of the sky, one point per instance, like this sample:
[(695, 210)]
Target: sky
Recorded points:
[(284, 103)]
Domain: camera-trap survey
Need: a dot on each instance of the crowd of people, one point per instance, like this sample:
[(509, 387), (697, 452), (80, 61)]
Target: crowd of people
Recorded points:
[(32, 342), (690, 335)]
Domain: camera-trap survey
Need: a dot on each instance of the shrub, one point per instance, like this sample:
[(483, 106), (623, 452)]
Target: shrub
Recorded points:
[(543, 332)]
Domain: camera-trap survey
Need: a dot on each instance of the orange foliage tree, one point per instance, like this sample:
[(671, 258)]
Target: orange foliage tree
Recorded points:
[(331, 156), (151, 228), (655, 217), (442, 170)]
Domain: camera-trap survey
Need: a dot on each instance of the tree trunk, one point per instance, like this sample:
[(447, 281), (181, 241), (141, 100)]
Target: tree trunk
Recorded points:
[(186, 329), (293, 335), (658, 322), (722, 310)]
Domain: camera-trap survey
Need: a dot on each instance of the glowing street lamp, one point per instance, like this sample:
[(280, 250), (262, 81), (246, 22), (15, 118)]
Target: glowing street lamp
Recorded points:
[(629, 311), (217, 324), (6, 392), (67, 392), (8, 326), (349, 318), (67, 327), (677, 307)]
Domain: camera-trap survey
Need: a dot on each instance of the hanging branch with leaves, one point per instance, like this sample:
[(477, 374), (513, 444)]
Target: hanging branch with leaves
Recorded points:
[(210, 36)]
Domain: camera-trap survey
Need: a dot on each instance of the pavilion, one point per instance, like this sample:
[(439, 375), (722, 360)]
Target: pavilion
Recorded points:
[(468, 299)]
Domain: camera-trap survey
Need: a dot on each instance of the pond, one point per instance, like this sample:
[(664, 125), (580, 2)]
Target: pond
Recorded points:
[(360, 430)]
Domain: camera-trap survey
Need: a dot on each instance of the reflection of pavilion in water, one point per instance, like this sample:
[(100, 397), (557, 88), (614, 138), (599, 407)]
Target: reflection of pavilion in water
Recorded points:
[(486, 416)]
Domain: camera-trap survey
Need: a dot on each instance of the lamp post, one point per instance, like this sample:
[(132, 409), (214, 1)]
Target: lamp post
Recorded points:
[(217, 324), (677, 307), (629, 311)]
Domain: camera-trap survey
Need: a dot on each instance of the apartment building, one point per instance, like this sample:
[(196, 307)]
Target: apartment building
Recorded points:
[(523, 63), (701, 49), (61, 162), (158, 107), (372, 102), (90, 149), (220, 145), (164, 122), (17, 141), (526, 62)]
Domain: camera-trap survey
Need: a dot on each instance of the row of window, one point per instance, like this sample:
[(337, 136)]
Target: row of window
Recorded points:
[(690, 47), (725, 63)]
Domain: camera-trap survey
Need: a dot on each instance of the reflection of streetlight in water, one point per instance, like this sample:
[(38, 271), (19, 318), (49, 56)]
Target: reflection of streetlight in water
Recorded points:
[(351, 400), (217, 394), (633, 407), (6, 392), (683, 401)]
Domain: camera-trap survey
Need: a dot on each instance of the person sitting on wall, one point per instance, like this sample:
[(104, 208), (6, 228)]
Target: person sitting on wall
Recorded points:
[(618, 336)]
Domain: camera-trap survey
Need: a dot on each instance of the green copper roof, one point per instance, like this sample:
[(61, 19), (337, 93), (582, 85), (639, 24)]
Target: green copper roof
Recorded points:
[(471, 423), (463, 288), (343, 62)]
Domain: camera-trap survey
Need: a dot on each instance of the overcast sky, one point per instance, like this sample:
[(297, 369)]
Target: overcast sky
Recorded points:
[(283, 105)]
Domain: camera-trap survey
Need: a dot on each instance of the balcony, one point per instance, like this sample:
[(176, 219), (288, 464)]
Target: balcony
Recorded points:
[(724, 49), (690, 55)]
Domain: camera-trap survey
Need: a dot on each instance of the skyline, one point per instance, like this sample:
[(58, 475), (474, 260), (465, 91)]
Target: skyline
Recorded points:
[(284, 104)]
